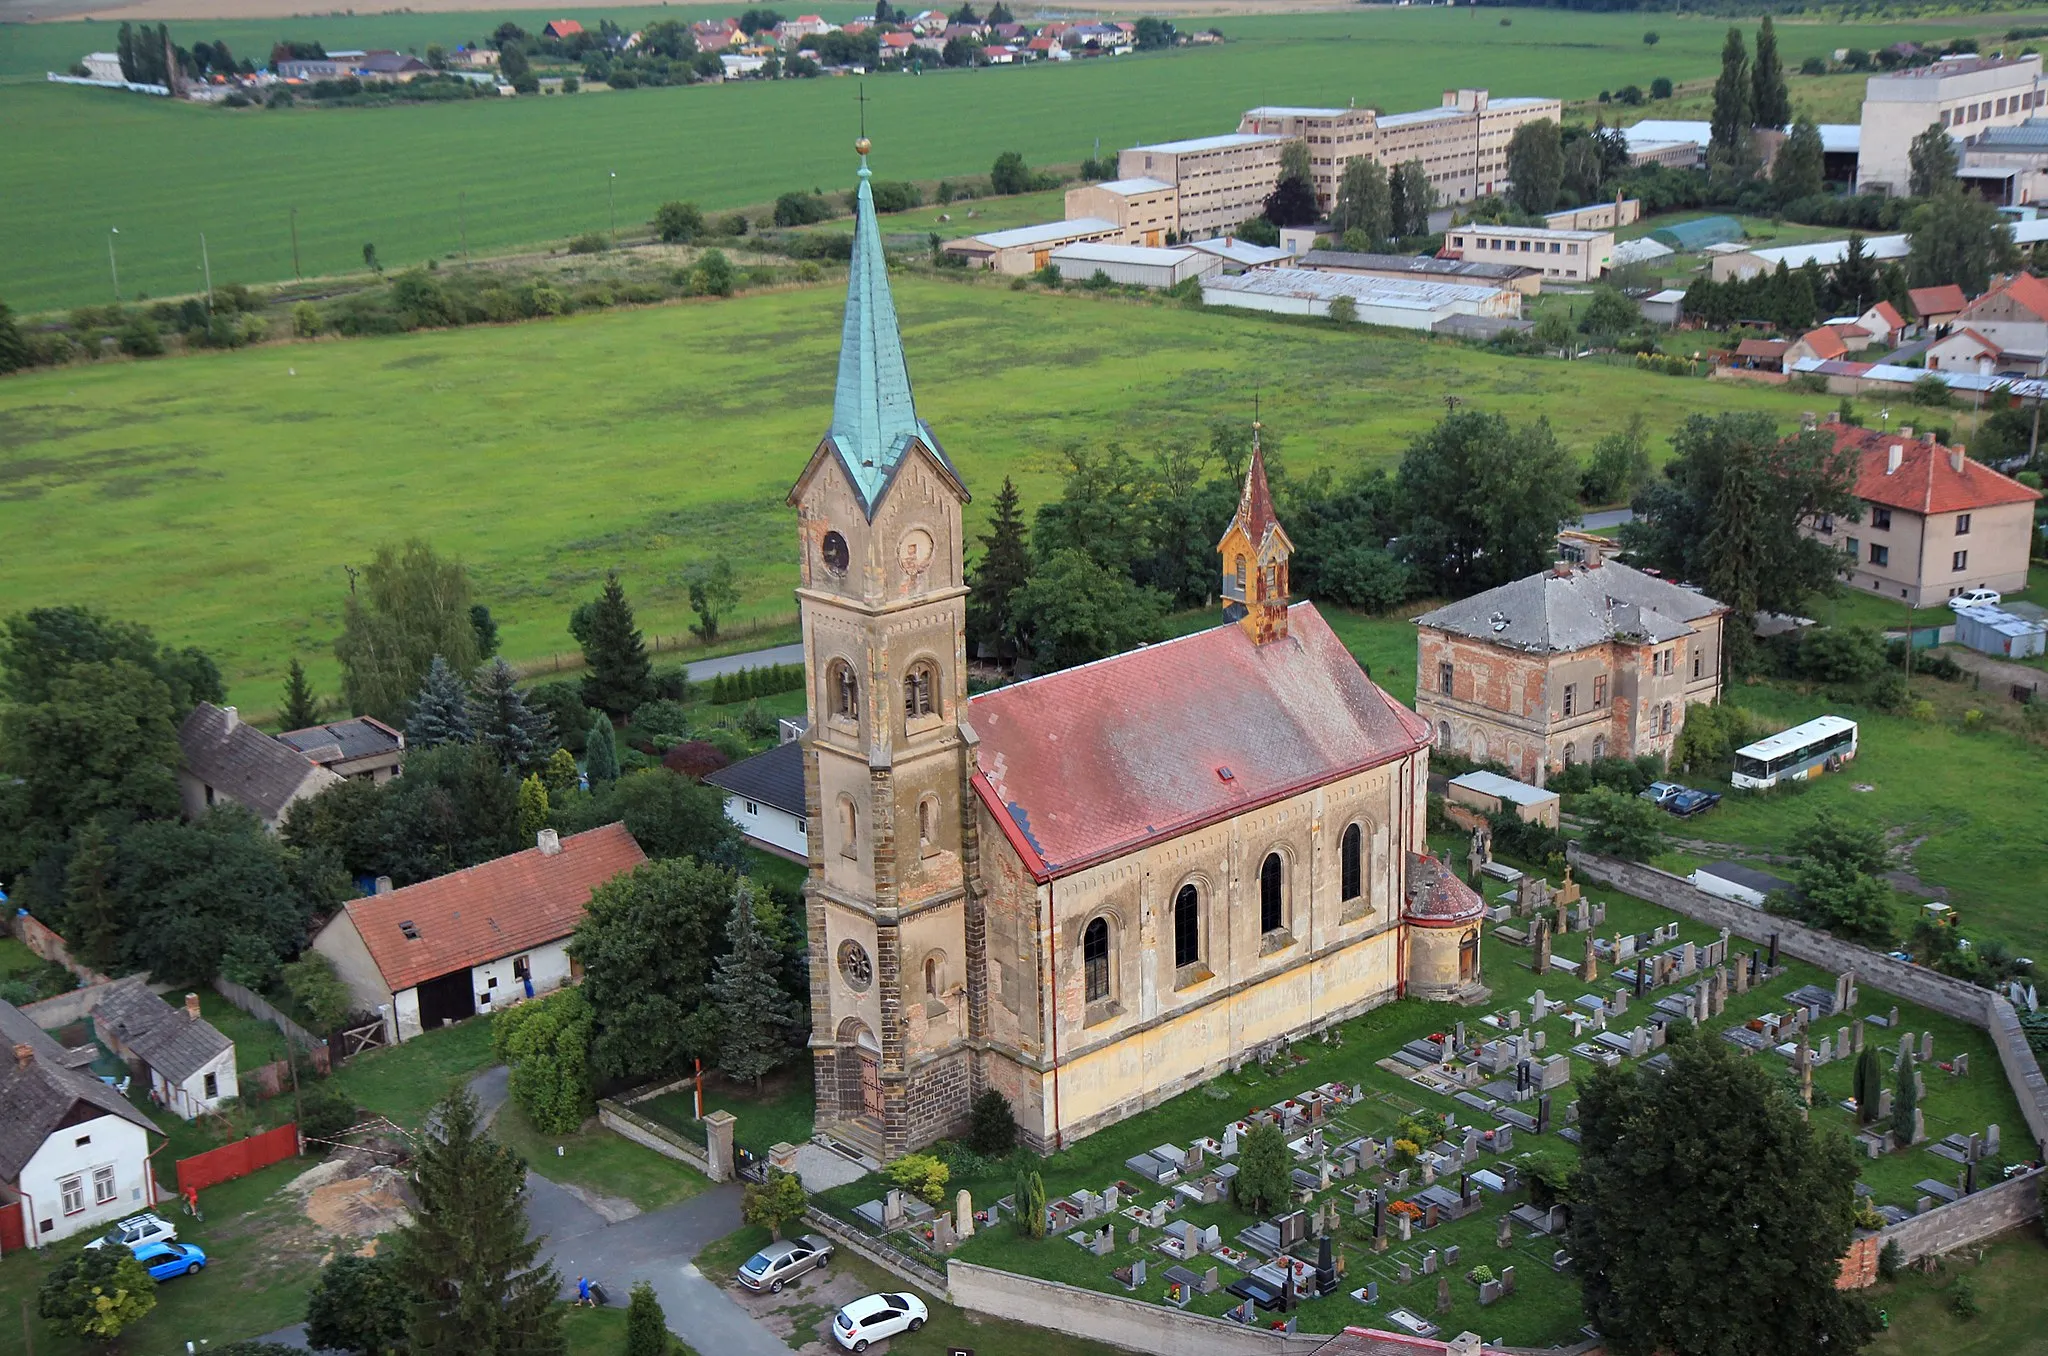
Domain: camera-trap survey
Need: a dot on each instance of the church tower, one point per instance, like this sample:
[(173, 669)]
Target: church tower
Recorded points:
[(1255, 549), (895, 965)]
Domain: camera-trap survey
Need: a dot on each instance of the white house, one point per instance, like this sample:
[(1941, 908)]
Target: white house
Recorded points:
[(73, 1150), (190, 1064), (228, 759), (764, 796), (475, 940)]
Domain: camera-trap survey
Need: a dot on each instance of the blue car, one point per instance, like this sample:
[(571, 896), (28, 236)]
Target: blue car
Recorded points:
[(165, 1260)]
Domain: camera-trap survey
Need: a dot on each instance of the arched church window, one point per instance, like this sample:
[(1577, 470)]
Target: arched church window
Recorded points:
[(1571, 752), (917, 691), (849, 827), (845, 690), (1351, 852), (1187, 926), (834, 551), (1599, 747), (927, 822), (1272, 588), (1095, 960), (1272, 881), (1443, 734)]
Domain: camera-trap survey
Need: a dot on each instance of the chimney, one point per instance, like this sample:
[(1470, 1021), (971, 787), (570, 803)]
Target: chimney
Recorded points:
[(1892, 458), (1928, 438), (1905, 430), (1955, 459), (233, 716), (383, 885), (24, 1055), (192, 1006), (1562, 569), (550, 843)]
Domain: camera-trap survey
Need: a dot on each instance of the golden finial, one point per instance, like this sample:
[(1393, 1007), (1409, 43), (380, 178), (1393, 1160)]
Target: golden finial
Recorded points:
[(861, 145)]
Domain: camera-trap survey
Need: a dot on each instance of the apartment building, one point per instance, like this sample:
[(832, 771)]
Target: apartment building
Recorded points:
[(1145, 210), (1968, 95), (1222, 181), (1581, 256)]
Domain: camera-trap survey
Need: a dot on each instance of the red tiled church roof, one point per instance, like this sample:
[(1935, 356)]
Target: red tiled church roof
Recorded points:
[(1926, 481), (486, 912), (1436, 897), (1088, 763)]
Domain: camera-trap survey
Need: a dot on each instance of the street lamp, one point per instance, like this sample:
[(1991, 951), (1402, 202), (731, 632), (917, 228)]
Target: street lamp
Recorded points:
[(113, 267), (611, 200)]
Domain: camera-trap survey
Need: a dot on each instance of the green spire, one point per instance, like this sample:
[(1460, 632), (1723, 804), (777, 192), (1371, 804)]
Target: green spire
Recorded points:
[(873, 419)]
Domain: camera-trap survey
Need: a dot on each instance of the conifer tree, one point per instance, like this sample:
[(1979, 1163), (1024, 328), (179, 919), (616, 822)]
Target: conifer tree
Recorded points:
[(646, 1325), (502, 720), (601, 752), (756, 1014), (1004, 567), (440, 713), (96, 919), (1855, 284), (300, 708), (1734, 101), (1770, 101), (559, 773), (620, 677), (1905, 1098), (533, 806), (467, 1256), (1869, 1083)]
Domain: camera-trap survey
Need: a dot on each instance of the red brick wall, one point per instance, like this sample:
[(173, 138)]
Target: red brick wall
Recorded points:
[(1859, 1264)]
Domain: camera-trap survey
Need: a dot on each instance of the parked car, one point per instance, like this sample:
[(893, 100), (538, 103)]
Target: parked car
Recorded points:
[(1689, 802), (780, 1263), (877, 1316), (165, 1260), (1659, 794), (136, 1231), (1976, 598)]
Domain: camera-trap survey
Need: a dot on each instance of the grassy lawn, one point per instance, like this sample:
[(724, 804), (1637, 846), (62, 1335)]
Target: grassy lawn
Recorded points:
[(782, 1113), (381, 174), (405, 1081), (257, 1042), (597, 1160), (118, 470), (2009, 1277), (768, 869), (1845, 606)]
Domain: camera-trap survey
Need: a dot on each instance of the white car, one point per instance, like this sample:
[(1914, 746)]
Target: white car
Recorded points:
[(137, 1231), (876, 1317), (1976, 598)]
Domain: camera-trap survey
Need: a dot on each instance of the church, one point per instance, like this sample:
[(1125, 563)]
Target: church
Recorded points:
[(1094, 889)]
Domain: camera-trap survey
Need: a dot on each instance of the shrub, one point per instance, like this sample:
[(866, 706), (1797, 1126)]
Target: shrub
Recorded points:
[(545, 300), (420, 300), (736, 224), (1890, 1259), (678, 223), (305, 320), (141, 339), (97, 1293), (1962, 1298), (992, 1128), (312, 982), (808, 271), (923, 1175), (1930, 390), (801, 209), (324, 1111), (1343, 310), (547, 1043), (774, 1203), (714, 275), (590, 242), (662, 717)]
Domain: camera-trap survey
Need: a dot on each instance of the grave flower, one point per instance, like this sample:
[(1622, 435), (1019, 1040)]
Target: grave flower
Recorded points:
[(1479, 1275)]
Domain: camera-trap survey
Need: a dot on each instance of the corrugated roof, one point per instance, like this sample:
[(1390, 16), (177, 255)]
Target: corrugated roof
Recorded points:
[(1102, 252), (1561, 611), (1828, 253), (244, 764), (1504, 788), (1411, 294), (1421, 115), (490, 911), (1089, 762), (1141, 184), (1046, 232), (774, 778), (1239, 251), (37, 1098), (1420, 264), (1292, 111)]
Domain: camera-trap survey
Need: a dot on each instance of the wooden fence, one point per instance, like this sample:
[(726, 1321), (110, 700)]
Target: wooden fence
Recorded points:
[(13, 1228), (239, 1159)]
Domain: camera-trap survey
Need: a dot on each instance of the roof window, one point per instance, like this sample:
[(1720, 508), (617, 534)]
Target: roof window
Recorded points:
[(412, 933)]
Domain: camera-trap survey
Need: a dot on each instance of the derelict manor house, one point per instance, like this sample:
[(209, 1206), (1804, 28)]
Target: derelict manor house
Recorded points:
[(1095, 888)]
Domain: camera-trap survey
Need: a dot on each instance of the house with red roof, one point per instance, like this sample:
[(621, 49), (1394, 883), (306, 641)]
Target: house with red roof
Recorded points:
[(1883, 324), (1963, 349), (2010, 326), (561, 28), (1094, 888), (1933, 524), (1936, 308), (1821, 342), (475, 940)]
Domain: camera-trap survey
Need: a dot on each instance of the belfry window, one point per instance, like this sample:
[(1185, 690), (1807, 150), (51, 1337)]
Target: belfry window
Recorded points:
[(917, 691), (845, 691)]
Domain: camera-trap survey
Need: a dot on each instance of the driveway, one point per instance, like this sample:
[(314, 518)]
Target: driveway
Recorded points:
[(1999, 675), (706, 669)]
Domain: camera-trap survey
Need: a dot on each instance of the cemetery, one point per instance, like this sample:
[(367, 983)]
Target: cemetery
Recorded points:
[(1425, 1140)]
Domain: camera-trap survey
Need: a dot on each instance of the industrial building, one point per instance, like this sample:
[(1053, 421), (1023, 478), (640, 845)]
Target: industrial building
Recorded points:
[(1969, 95), (1568, 256), (1222, 180), (1519, 277), (1147, 210), (1134, 265), (1402, 303), (1026, 249)]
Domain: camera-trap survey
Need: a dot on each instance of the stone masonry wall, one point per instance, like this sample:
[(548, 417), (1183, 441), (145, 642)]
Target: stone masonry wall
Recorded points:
[(1959, 1223)]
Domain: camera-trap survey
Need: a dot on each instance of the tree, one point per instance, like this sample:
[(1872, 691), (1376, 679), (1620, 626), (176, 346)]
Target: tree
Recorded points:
[(1905, 1098), (755, 1014), (1291, 203), (1264, 1178), (44, 644), (1660, 88), (601, 751), (94, 910), (1725, 1128), (1410, 199), (1004, 567), (533, 806), (922, 1175), (560, 772), (357, 1305), (1535, 165), (714, 276), (1363, 201), (1843, 902), (1856, 283), (440, 713), (314, 985), (1868, 1083), (1295, 164), (1728, 145), (467, 1257), (775, 1203), (412, 606), (1959, 238), (1073, 611), (101, 738), (1618, 466), (547, 1044), (1620, 824), (647, 946), (1932, 162), (1482, 501), (299, 708), (485, 628), (712, 594), (668, 815), (620, 677), (501, 720), (992, 1126), (15, 353), (97, 1293), (1770, 101), (646, 1325), (1797, 172), (678, 223), (512, 63), (1609, 313), (1010, 175)]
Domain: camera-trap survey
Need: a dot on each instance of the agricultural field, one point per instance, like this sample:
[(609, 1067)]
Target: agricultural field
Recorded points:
[(394, 176), (218, 495)]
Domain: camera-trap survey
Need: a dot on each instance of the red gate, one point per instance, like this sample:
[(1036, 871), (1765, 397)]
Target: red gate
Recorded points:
[(13, 1228), (239, 1159)]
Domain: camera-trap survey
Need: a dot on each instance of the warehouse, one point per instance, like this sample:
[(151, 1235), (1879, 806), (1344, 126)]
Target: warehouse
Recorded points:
[(1403, 303), (1026, 249), (1134, 265)]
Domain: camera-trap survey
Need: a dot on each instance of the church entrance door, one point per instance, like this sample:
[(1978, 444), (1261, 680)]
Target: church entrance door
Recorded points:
[(1468, 958), (870, 1083)]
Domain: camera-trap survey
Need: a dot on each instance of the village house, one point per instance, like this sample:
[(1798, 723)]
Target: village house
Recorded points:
[(764, 798), (1936, 308), (1934, 523), (73, 1152), (360, 747), (475, 940), (227, 759), (189, 1063), (1580, 662), (2003, 331), (1822, 342)]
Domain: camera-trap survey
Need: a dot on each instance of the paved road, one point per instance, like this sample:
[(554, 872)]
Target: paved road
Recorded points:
[(705, 669), (1593, 522)]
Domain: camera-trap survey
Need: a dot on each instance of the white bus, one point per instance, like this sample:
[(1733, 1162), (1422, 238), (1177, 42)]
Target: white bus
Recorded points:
[(1791, 755)]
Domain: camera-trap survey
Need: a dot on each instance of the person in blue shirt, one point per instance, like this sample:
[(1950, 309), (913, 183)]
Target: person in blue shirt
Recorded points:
[(583, 1292)]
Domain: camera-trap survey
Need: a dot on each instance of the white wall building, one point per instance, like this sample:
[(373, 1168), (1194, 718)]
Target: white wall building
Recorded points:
[(764, 797), (1403, 303), (1134, 265), (103, 66), (1968, 95), (189, 1063)]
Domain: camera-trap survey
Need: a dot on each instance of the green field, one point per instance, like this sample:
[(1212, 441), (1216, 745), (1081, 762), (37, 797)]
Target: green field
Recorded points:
[(217, 496), (80, 161)]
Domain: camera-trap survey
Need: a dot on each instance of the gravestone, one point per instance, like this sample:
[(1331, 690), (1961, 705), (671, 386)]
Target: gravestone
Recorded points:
[(1407, 1274), (1926, 1046), (1451, 1255), (1133, 1276), (1543, 1114), (1133, 1240), (1892, 1020), (1407, 1226), (892, 1209), (1443, 1294), (1429, 1261), (1589, 968), (1571, 1112), (1919, 1125), (1905, 1050), (1372, 1292), (1540, 943), (1991, 1140), (1507, 1280), (1884, 1103), (1506, 1235), (1489, 1293), (963, 1214), (1919, 1084), (1504, 1139), (944, 1240), (1742, 964), (1856, 1037), (1293, 1228), (1772, 959), (1230, 1141), (1105, 1241), (1112, 1201), (1514, 1019), (1825, 1054), (1961, 1066)]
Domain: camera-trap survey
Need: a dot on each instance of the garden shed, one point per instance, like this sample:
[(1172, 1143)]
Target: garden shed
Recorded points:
[(1689, 236)]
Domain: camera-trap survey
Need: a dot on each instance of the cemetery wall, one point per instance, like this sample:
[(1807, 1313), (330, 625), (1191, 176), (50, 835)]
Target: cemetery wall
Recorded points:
[(881, 1254), (631, 1125), (1970, 1220), (1135, 1325)]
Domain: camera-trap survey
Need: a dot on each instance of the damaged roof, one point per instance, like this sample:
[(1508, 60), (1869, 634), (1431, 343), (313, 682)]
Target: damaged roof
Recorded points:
[(1087, 763), (1569, 608)]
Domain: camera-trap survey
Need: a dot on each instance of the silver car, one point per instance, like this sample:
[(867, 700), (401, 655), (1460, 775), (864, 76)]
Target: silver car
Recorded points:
[(780, 1263)]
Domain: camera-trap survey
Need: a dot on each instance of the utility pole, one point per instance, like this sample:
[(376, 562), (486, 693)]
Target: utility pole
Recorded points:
[(113, 267), (462, 221), (611, 203), (296, 275), (206, 266)]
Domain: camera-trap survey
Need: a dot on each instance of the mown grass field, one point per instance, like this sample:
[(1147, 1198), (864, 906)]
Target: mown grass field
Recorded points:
[(218, 496), (80, 161)]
